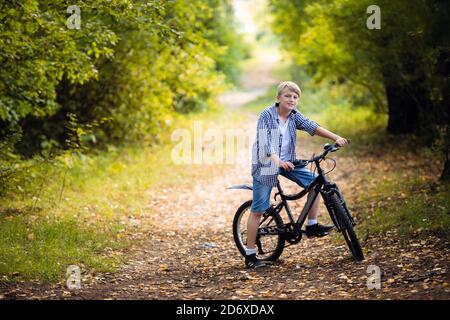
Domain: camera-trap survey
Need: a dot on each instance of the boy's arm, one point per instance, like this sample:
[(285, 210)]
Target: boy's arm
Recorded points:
[(322, 132), (303, 123)]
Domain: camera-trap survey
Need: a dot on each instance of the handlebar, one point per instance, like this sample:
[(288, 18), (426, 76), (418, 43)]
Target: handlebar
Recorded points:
[(328, 148)]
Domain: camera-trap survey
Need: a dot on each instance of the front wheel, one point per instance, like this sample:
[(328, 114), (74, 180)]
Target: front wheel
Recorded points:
[(346, 226), (269, 239)]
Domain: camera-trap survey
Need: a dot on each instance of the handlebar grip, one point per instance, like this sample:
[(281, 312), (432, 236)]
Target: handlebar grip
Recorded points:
[(338, 146)]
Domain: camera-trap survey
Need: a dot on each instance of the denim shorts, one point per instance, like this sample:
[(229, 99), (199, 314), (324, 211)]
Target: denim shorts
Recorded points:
[(261, 193)]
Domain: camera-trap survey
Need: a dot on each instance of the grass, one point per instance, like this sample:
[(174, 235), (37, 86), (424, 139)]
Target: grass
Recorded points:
[(416, 214), (43, 249), (409, 205)]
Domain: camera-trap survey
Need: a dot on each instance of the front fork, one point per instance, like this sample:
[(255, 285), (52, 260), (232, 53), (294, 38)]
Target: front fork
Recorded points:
[(328, 190)]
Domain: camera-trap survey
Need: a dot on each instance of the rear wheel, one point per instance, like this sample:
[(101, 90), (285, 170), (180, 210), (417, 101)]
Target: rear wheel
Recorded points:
[(346, 227), (269, 240)]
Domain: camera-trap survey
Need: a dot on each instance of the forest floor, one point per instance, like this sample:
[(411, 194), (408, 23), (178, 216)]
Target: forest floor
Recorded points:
[(189, 252)]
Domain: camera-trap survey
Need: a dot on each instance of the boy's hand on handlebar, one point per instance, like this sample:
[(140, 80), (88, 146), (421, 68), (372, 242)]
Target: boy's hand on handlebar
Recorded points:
[(341, 141), (286, 165)]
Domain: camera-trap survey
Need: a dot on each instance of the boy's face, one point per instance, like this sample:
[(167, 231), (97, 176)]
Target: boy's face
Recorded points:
[(288, 99)]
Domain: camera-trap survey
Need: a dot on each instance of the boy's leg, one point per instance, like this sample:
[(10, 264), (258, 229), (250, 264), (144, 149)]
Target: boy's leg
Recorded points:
[(251, 261), (314, 211), (260, 203), (303, 177), (252, 228)]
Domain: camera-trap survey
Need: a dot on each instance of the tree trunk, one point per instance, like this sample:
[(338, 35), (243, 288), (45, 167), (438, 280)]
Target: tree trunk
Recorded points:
[(445, 176), (443, 69), (410, 109), (403, 111)]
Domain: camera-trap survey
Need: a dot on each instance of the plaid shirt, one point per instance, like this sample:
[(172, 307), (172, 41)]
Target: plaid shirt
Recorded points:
[(268, 141)]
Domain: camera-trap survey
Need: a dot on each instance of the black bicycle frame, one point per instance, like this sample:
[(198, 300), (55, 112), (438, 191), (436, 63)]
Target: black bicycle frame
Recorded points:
[(316, 186)]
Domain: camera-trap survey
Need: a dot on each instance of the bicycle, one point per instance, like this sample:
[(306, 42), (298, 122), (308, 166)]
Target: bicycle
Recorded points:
[(273, 233)]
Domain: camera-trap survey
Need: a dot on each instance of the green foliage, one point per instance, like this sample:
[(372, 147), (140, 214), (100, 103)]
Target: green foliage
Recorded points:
[(342, 119), (37, 49), (123, 78), (331, 41), (232, 48), (401, 69), (8, 162), (127, 70)]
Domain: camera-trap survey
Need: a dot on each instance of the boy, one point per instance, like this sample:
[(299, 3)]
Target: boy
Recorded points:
[(273, 153)]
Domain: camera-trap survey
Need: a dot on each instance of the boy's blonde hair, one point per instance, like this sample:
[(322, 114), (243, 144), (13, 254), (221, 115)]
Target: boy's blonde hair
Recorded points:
[(291, 86)]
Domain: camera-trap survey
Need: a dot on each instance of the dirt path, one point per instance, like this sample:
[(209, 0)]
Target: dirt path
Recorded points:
[(189, 252)]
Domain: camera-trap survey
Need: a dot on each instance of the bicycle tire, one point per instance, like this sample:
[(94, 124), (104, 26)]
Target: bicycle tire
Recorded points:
[(346, 227), (240, 240)]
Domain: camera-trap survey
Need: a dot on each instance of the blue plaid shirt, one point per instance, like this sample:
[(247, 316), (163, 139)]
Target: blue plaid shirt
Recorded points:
[(268, 141)]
